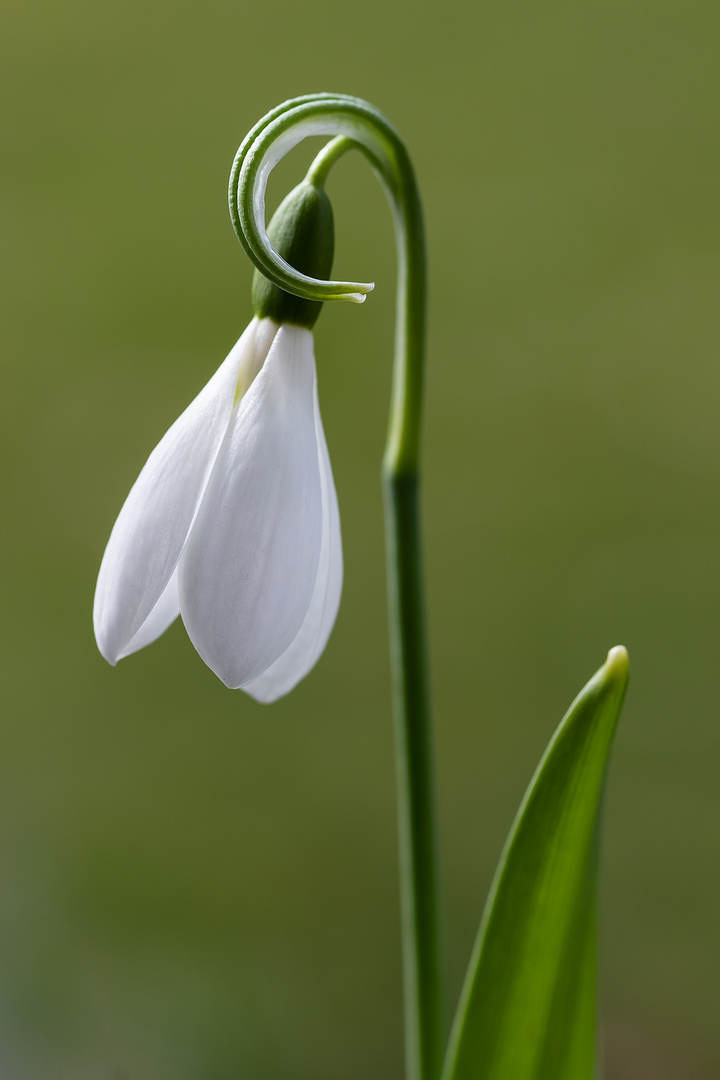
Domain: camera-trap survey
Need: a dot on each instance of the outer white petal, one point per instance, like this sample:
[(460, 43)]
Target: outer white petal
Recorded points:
[(306, 648), (249, 568), (152, 527)]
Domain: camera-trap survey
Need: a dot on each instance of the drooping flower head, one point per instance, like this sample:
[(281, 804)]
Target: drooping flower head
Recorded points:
[(233, 522)]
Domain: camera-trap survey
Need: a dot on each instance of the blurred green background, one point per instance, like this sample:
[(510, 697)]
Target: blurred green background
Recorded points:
[(195, 887)]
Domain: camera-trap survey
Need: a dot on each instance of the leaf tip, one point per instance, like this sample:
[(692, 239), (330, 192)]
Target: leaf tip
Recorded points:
[(616, 668)]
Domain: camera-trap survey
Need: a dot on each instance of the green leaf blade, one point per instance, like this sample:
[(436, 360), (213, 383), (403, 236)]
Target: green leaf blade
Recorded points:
[(527, 1009)]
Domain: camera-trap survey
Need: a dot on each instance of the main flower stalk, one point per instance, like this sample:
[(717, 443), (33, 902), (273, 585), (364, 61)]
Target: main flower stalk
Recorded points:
[(356, 124)]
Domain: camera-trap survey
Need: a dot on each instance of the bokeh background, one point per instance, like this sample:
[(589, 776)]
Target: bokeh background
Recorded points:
[(194, 887)]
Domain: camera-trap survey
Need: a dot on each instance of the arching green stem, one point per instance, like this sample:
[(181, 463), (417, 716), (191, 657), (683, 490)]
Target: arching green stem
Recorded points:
[(361, 125)]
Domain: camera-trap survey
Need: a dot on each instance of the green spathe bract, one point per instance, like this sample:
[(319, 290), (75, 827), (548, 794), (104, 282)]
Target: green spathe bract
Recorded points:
[(527, 1010), (302, 232)]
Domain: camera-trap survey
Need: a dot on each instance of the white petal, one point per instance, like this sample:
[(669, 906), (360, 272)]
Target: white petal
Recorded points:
[(162, 615), (305, 650), (152, 527), (250, 564)]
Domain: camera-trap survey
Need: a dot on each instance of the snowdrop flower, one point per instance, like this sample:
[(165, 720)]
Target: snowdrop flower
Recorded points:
[(233, 522)]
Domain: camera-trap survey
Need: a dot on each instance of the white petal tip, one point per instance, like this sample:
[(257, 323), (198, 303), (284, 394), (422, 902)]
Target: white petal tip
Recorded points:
[(232, 684), (267, 692), (110, 657)]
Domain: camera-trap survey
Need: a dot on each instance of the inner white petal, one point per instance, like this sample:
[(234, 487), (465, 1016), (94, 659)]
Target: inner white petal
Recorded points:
[(250, 565)]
